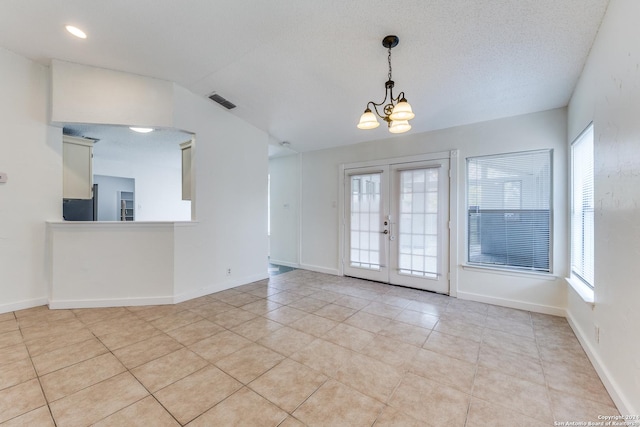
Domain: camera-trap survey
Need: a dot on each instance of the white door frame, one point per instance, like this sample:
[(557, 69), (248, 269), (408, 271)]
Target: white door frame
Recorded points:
[(453, 205)]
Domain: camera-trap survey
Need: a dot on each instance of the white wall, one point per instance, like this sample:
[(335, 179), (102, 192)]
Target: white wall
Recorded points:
[(608, 93), (31, 155), (285, 210), (319, 208), (231, 167), (231, 186)]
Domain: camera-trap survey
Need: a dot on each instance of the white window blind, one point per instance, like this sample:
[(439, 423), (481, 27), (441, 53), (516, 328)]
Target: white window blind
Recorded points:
[(509, 210), (582, 238)]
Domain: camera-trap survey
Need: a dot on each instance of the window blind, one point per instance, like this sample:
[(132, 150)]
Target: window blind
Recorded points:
[(582, 207), (509, 210)]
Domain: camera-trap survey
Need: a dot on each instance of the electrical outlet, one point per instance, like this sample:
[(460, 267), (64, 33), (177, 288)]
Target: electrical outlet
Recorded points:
[(228, 271)]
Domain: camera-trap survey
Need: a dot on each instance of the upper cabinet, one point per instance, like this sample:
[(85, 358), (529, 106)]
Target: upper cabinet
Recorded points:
[(186, 170), (77, 155)]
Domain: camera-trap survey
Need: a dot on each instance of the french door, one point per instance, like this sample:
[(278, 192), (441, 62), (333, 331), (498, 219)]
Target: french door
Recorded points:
[(396, 224)]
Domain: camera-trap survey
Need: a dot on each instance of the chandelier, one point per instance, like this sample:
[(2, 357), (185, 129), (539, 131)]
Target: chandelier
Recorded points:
[(396, 111)]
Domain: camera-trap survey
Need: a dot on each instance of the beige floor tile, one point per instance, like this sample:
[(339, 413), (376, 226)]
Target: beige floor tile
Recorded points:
[(33, 311), (447, 406), (177, 320), (510, 326), (261, 307), (47, 344), (150, 313), (286, 315), (314, 325), (16, 372), (455, 373), (46, 317), (168, 369), (308, 304), (43, 330), (327, 296), (335, 404), (427, 308), (416, 318), (568, 407), (288, 384), (391, 417), (40, 417), (514, 343), (368, 322), (93, 315), (238, 300), (20, 399), (453, 314), (232, 318), (513, 393), (579, 382), (67, 356), (461, 305), (8, 325), (285, 297), (7, 316), (98, 401), (76, 377), (410, 334), (509, 313), (335, 312), (9, 339), (256, 328), (396, 301), (128, 336), (196, 393), (144, 351), (194, 303), (191, 334), (460, 329), (384, 310), (514, 364), (369, 376), (144, 413), (353, 302), (244, 408), (349, 337), (390, 351), (211, 308), (219, 345), (115, 325), (286, 341), (249, 363), (485, 414), (291, 422), (323, 356), (450, 345)]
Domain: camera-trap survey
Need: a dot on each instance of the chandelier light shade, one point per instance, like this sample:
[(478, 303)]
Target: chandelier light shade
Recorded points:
[(396, 110)]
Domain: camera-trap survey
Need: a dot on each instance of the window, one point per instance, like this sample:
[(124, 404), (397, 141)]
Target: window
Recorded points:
[(509, 210), (582, 239)]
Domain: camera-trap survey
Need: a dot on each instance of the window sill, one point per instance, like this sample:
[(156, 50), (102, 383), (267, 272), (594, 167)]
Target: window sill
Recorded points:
[(583, 291), (506, 272)]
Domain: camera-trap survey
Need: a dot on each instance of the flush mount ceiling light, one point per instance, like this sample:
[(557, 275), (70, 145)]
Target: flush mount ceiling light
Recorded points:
[(141, 130), (397, 111), (76, 31)]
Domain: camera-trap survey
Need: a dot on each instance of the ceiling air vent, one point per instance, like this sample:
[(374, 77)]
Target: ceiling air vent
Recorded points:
[(222, 101)]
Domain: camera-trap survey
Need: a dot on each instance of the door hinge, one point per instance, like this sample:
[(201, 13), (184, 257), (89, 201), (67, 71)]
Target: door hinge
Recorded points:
[(449, 224)]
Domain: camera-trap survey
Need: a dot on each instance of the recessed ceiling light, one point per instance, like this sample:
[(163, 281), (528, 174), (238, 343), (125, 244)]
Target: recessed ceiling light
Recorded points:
[(141, 130), (76, 31)]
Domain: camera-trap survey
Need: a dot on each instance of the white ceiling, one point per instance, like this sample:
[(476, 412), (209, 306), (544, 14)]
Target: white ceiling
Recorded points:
[(304, 70)]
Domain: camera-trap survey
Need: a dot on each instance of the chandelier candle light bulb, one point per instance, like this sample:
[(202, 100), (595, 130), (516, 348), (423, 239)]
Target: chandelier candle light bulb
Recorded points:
[(397, 111)]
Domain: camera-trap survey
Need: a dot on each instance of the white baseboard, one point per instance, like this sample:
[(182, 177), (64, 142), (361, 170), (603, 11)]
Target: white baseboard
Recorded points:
[(109, 302), (318, 269), (622, 403), (284, 263), (21, 305), (520, 305)]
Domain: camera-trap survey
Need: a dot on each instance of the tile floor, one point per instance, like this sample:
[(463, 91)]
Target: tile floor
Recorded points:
[(301, 348)]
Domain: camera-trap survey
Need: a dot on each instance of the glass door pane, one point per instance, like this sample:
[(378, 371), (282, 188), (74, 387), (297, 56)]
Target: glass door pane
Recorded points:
[(365, 221)]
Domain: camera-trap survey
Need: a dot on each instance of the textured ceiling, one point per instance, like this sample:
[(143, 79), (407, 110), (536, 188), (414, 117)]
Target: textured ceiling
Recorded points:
[(304, 70)]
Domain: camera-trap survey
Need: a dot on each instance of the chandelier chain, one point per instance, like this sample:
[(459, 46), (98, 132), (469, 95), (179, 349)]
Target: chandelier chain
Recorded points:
[(389, 60)]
